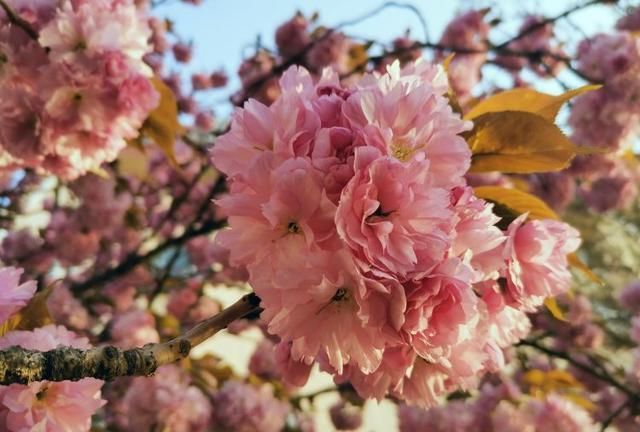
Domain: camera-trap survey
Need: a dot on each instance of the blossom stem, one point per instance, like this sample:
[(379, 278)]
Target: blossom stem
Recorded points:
[(607, 422), (22, 366), (15, 19)]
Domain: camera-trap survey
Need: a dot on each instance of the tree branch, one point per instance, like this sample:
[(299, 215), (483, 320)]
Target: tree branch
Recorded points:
[(16, 20), (544, 22), (22, 366)]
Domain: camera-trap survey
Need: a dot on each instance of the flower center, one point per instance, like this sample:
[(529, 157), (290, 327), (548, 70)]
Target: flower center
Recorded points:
[(293, 227), (81, 45), (378, 214), (341, 295), (401, 153), (42, 393)]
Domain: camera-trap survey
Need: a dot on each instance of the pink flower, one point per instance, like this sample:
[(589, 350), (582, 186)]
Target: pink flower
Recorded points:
[(292, 36), (349, 209), (345, 416), (455, 416), (133, 329), (345, 317), (96, 93), (560, 414), (556, 189), (66, 309), (280, 219), (243, 408), (477, 239), (50, 406), (442, 310), (92, 28), (293, 372), (536, 254), (391, 217), (631, 21), (611, 192), (508, 418), (329, 50), (13, 295), (263, 362), (183, 52), (168, 401), (405, 114), (629, 297), (466, 31)]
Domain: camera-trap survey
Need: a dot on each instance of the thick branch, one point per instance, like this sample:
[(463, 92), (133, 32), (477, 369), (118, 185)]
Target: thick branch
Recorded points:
[(16, 20), (22, 366)]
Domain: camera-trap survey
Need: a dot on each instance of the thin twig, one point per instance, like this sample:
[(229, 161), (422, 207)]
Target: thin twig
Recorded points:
[(18, 21), (544, 22), (134, 259), (607, 422)]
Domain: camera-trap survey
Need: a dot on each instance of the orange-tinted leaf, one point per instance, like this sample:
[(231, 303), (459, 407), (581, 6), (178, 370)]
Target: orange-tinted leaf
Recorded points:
[(527, 100), (554, 309), (162, 125), (511, 203), (575, 261), (519, 142), (358, 56), (35, 314), (446, 63), (133, 162)]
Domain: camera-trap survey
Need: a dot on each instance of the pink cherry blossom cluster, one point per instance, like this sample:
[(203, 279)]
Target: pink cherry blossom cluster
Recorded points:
[(608, 118), (536, 49), (46, 406), (499, 407), (349, 209), (167, 401), (71, 98), (468, 31)]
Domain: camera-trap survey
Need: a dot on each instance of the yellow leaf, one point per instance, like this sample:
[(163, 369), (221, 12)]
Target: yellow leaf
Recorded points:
[(100, 172), (581, 401), (527, 100), (133, 162), (446, 63), (519, 142), (35, 314), (358, 56), (542, 383), (575, 261), (162, 125), (551, 381), (555, 310), (511, 203), (451, 96)]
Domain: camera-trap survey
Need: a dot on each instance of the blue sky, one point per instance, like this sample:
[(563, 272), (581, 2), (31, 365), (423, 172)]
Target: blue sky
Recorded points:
[(225, 31)]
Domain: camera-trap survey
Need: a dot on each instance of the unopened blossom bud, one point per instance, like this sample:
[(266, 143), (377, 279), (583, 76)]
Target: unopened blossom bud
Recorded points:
[(205, 121), (629, 297), (182, 52), (346, 416), (200, 81)]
